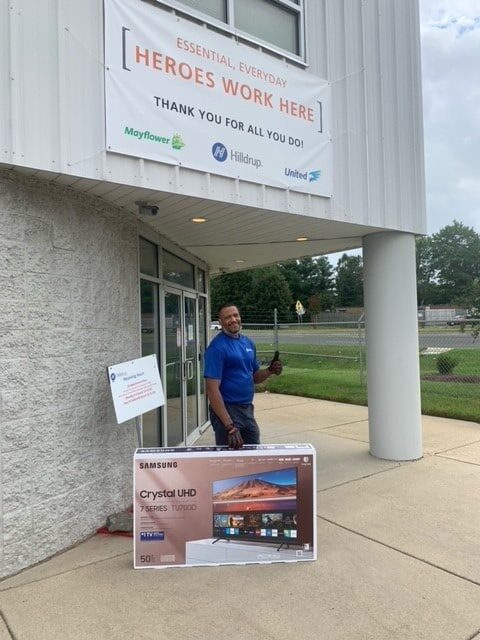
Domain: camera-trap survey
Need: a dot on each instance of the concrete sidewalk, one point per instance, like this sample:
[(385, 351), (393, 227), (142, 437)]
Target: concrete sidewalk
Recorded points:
[(398, 554)]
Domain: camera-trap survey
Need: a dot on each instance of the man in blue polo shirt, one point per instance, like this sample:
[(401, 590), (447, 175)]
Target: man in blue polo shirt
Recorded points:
[(231, 372)]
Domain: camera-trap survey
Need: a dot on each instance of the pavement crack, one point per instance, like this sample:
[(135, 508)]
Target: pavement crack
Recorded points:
[(62, 573), (284, 406), (7, 626), (343, 424), (404, 553), (475, 464), (368, 475), (476, 634), (460, 446), (322, 429)]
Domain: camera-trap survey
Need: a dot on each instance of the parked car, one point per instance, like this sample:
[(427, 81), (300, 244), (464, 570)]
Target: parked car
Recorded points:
[(464, 319), (215, 326)]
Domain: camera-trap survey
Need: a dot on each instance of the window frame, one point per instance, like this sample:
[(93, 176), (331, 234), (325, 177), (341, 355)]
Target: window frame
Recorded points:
[(229, 26)]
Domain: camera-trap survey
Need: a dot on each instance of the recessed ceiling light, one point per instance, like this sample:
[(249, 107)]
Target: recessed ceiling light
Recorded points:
[(302, 239), (199, 220)]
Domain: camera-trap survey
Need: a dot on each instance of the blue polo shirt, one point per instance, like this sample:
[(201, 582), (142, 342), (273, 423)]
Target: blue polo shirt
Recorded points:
[(233, 361)]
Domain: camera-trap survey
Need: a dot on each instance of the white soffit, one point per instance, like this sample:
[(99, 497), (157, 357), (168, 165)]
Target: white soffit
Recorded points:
[(234, 236)]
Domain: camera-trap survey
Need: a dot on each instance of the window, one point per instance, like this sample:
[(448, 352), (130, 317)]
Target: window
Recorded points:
[(278, 23), (148, 258), (177, 270), (200, 280), (215, 8), (269, 21)]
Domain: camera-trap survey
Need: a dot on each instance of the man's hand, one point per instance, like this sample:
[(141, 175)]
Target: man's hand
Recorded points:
[(275, 366), (235, 440)]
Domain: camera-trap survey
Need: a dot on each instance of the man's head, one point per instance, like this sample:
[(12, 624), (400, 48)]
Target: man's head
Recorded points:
[(230, 320)]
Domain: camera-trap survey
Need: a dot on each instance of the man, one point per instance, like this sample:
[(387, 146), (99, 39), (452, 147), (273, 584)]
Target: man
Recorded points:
[(231, 372)]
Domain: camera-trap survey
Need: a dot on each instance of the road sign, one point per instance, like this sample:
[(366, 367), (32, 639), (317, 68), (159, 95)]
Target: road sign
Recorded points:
[(299, 308)]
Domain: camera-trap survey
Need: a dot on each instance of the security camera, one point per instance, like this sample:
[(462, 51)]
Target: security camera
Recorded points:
[(145, 209)]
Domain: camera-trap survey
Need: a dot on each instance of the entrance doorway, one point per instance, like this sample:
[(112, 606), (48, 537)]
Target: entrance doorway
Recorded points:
[(184, 346), (173, 305)]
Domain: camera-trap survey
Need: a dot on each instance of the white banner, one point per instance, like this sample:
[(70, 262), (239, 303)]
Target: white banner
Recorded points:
[(136, 387), (183, 94)]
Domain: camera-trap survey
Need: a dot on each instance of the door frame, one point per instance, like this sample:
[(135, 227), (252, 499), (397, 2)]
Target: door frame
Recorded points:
[(183, 294)]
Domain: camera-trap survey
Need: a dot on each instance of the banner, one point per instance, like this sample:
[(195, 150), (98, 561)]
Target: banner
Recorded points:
[(185, 95)]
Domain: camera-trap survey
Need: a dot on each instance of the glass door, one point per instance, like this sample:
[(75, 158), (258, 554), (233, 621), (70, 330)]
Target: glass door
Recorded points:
[(202, 343), (151, 421), (174, 361), (191, 363), (182, 366)]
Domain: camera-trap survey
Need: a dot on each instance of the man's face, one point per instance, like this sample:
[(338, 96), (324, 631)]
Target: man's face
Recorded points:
[(230, 320)]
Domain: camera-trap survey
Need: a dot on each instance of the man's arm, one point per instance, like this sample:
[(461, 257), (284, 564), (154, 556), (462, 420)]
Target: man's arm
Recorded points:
[(261, 375), (212, 387), (275, 368)]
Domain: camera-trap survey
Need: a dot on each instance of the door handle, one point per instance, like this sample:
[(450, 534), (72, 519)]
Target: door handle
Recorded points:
[(189, 369), (176, 369)]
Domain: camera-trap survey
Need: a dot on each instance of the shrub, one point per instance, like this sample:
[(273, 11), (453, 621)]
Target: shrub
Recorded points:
[(446, 363)]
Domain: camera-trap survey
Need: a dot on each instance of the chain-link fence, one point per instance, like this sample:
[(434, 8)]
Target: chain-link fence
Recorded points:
[(328, 359)]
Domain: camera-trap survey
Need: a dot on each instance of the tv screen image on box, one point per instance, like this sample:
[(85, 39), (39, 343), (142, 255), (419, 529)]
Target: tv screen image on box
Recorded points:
[(261, 507)]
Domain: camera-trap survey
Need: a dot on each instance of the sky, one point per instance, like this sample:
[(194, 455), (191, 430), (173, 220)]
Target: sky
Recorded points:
[(450, 43), (450, 40)]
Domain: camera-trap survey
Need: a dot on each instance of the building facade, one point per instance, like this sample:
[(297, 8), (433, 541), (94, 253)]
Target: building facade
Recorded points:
[(146, 145)]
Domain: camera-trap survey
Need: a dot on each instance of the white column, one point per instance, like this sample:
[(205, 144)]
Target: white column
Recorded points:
[(392, 346)]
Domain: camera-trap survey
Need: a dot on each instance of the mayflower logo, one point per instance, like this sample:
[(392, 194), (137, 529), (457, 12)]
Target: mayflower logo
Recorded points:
[(177, 142), (309, 176)]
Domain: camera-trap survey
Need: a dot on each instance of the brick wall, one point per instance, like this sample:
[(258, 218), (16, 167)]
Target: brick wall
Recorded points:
[(68, 309)]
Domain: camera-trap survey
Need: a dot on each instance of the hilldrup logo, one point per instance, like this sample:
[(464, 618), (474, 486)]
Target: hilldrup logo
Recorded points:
[(219, 152), (308, 176)]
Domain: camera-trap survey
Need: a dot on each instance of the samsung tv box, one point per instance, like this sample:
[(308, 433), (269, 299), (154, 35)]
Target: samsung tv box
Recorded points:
[(216, 506)]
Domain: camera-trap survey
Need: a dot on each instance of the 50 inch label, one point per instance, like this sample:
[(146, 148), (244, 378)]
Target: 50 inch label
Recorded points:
[(147, 558)]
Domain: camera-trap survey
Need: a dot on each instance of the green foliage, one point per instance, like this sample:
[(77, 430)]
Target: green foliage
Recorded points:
[(310, 279), (330, 378), (230, 288), (256, 292), (448, 264), (446, 363), (428, 291), (349, 281), (320, 302), (269, 291)]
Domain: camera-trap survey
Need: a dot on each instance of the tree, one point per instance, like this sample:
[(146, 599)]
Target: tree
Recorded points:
[(455, 259), (231, 288), (447, 264), (256, 292), (269, 291), (310, 279), (428, 291), (349, 281), (471, 299)]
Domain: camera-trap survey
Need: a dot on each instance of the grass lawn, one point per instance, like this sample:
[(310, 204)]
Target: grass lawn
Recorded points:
[(314, 375)]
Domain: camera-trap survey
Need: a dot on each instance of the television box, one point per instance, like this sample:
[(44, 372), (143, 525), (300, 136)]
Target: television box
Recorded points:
[(215, 506)]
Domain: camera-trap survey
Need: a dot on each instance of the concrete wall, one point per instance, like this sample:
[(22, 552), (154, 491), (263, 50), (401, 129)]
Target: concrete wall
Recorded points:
[(68, 308)]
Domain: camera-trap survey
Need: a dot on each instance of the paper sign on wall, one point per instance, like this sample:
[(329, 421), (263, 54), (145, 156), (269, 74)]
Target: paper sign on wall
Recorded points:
[(136, 387)]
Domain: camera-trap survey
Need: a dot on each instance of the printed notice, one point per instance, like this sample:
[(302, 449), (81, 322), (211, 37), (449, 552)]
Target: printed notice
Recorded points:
[(136, 387)]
